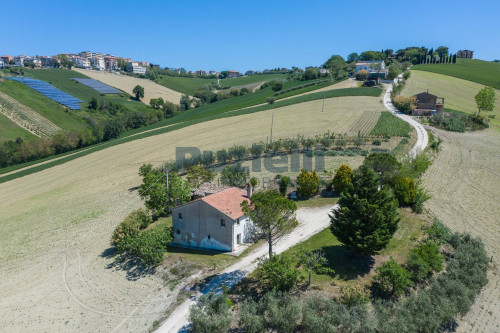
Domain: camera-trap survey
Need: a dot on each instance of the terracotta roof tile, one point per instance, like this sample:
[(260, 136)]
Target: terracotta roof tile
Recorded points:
[(227, 201)]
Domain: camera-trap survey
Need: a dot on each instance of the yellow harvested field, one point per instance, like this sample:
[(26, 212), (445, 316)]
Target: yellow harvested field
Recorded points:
[(464, 182), (127, 84), (458, 94), (57, 266)]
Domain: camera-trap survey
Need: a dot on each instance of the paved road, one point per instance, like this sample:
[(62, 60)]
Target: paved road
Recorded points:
[(422, 137), (311, 221)]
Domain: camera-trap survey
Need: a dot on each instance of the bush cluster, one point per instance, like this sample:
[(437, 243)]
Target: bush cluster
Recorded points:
[(405, 104)]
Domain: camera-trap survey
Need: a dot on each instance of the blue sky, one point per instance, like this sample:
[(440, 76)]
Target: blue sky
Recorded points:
[(244, 35)]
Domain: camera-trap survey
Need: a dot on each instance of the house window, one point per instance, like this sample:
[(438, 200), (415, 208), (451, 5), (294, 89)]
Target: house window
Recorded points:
[(178, 232), (238, 221), (180, 216), (222, 222), (208, 236)]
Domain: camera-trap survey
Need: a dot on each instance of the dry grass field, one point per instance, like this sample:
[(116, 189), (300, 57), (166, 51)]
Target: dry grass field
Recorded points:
[(127, 84), (464, 182), (58, 270), (458, 94)]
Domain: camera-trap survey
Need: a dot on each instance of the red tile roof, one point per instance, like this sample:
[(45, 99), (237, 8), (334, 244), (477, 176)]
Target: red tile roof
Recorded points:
[(227, 201)]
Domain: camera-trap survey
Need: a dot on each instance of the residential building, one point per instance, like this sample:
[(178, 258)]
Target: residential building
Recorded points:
[(249, 72), (233, 74), (81, 62), (324, 71), (99, 63), (19, 60), (7, 59), (86, 54), (200, 72), (212, 72), (370, 65), (375, 68), (47, 61), (1, 63), (110, 63), (465, 54), (213, 222), (134, 67)]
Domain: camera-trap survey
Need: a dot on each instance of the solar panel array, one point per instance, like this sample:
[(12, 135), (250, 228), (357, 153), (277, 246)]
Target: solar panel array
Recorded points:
[(98, 86), (50, 91)]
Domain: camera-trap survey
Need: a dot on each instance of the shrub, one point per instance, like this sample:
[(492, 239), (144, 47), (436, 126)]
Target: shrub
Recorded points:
[(342, 178), (275, 311), (376, 143), (235, 175), (307, 183), (284, 182), (404, 190), (149, 245), (211, 314), (406, 75), (197, 175), (438, 232), (131, 226), (222, 156), (421, 196), (405, 104), (271, 100), (254, 181), (326, 315), (392, 279), (278, 273), (362, 75), (277, 86), (425, 259), (257, 149), (354, 295)]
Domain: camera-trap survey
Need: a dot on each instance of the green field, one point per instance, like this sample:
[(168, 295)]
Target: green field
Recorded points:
[(46, 107), (189, 85), (185, 85), (390, 125), (240, 81), (479, 71), (10, 131)]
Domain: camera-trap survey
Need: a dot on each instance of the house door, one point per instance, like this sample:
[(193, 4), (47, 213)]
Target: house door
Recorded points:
[(238, 239)]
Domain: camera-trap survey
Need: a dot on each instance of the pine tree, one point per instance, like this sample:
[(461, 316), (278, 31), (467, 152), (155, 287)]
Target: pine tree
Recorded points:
[(367, 217)]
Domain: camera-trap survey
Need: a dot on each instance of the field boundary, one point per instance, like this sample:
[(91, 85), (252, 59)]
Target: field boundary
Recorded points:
[(165, 127), (26, 117)]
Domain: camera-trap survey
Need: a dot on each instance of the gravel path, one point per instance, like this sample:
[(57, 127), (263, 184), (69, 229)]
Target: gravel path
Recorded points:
[(311, 221), (422, 137)]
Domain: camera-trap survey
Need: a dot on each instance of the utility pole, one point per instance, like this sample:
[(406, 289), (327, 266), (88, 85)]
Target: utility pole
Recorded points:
[(166, 183), (272, 122)]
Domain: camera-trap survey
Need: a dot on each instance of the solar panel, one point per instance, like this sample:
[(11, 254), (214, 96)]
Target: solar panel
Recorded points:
[(98, 86), (50, 91)]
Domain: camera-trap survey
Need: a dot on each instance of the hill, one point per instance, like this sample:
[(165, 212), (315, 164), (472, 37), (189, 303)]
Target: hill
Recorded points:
[(127, 83), (84, 201), (458, 93), (189, 85), (479, 71)]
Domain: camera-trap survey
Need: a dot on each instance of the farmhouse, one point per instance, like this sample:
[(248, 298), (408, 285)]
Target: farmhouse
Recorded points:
[(375, 68), (465, 54), (214, 221), (428, 104)]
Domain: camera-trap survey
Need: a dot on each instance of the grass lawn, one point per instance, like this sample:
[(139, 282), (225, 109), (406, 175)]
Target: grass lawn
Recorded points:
[(240, 81), (317, 202), (349, 269), (458, 94), (185, 85), (46, 107), (10, 131), (479, 71)]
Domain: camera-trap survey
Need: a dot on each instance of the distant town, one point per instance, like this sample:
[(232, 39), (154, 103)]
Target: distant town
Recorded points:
[(107, 62)]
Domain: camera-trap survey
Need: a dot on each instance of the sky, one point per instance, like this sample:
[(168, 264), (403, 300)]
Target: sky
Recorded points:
[(243, 35)]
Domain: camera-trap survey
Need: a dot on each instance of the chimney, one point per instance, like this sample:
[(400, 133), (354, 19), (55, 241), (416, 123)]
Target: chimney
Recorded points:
[(249, 190)]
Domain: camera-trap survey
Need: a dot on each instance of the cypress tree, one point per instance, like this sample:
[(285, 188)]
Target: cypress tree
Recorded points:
[(367, 216), (455, 58)]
